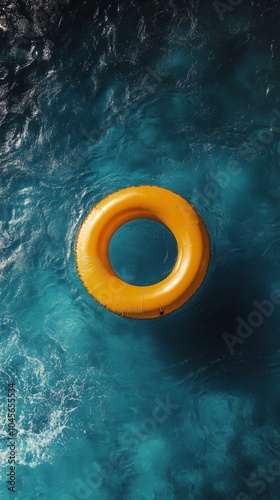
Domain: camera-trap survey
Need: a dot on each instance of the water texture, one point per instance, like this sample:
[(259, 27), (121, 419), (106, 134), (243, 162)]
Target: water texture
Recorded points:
[(95, 97)]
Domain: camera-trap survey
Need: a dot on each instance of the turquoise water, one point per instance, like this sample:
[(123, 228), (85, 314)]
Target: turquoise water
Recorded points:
[(97, 99)]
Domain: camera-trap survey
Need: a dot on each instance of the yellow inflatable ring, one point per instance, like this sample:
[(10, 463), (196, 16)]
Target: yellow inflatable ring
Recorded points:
[(100, 279)]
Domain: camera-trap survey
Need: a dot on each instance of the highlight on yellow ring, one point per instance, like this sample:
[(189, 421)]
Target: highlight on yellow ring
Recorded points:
[(92, 252)]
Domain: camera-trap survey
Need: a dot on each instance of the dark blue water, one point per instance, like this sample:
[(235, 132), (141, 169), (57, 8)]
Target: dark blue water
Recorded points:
[(95, 98)]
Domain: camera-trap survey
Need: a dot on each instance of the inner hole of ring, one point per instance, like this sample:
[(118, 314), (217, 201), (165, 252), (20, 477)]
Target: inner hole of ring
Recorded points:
[(143, 252)]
